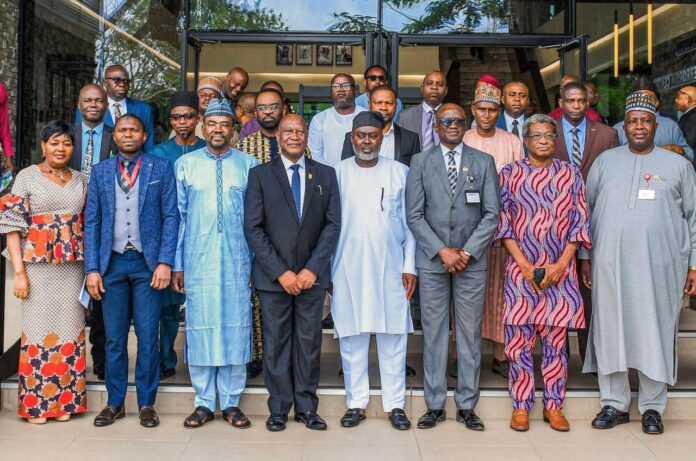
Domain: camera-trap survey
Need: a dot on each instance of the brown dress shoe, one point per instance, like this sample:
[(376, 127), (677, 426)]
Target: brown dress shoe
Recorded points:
[(520, 420), (557, 421)]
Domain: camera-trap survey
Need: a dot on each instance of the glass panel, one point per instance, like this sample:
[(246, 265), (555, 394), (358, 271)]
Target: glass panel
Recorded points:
[(70, 43), (284, 15), (483, 16)]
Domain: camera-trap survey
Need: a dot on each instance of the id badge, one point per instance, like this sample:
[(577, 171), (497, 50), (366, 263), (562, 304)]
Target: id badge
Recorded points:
[(646, 194), (472, 196)]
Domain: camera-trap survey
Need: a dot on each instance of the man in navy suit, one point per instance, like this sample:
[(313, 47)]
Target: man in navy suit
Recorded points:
[(117, 83), (131, 229), (515, 102)]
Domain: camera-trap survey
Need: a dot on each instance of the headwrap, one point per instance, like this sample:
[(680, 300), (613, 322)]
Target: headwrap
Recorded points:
[(369, 118), (210, 83), (219, 107), (183, 98), (486, 92), (642, 102)]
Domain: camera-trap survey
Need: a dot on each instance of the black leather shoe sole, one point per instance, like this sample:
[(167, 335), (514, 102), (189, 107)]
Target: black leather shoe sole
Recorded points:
[(352, 422), (470, 426), (603, 424), (401, 425), (430, 425), (313, 425), (276, 425), (653, 430)]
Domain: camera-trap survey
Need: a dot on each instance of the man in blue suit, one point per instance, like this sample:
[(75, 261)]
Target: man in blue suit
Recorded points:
[(515, 102), (131, 229), (117, 83)]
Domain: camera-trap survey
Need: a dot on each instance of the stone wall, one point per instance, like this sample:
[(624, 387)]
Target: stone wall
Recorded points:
[(9, 23)]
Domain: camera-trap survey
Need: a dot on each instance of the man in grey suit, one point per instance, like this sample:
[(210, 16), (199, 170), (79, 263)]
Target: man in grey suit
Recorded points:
[(421, 118), (452, 209)]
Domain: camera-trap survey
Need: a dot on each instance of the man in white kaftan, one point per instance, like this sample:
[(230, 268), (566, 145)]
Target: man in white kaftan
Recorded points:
[(373, 273)]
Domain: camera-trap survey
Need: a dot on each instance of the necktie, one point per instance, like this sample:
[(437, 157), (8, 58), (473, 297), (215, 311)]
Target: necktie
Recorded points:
[(515, 130), (428, 131), (577, 152), (295, 186), (117, 111), (123, 180), (87, 161), (452, 170)]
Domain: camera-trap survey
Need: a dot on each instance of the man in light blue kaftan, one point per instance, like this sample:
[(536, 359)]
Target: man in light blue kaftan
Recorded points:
[(213, 267)]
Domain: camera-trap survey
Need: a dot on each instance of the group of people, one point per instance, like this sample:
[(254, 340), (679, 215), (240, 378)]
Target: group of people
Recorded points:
[(521, 226)]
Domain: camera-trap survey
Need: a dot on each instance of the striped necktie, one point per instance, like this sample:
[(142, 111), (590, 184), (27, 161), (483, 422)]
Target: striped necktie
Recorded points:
[(117, 111), (428, 130), (577, 152), (452, 170), (89, 153)]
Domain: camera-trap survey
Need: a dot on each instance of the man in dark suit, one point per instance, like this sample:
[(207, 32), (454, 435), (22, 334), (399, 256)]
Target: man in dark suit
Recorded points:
[(117, 83), (580, 141), (686, 103), (399, 143), (93, 144), (292, 221), (131, 230), (515, 103), (421, 118)]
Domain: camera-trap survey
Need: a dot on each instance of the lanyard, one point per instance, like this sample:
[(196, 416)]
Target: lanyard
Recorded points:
[(124, 174)]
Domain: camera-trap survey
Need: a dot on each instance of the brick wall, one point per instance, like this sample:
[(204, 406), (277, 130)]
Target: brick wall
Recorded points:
[(9, 22)]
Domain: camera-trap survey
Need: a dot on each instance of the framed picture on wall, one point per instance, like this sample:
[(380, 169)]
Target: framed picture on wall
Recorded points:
[(324, 55), (303, 55), (283, 55), (344, 55)]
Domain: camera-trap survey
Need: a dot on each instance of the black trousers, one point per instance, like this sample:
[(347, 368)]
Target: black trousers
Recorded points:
[(97, 335), (584, 333), (291, 349)]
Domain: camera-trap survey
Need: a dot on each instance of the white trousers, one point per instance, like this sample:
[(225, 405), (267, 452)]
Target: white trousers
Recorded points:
[(391, 352), (614, 390)]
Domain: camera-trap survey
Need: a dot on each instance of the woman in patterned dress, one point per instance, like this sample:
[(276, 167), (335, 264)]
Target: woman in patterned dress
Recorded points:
[(43, 221)]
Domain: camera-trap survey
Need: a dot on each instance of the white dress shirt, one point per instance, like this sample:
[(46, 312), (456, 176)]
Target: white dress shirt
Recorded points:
[(121, 105), (457, 155), (287, 163), (387, 149), (508, 124)]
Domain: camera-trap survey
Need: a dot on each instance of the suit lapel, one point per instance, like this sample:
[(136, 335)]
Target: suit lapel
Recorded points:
[(110, 189), (561, 149), (438, 163), (310, 175), (591, 132), (144, 178), (282, 177), (105, 148), (397, 143), (465, 161), (76, 159)]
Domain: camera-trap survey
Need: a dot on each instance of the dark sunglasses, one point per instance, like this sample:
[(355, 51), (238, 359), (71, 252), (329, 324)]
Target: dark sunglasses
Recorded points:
[(118, 80), (373, 78), (460, 122), (189, 116)]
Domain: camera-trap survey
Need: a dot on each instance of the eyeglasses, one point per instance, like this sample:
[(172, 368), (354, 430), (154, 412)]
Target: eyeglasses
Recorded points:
[(547, 136), (188, 116), (373, 78), (341, 86), (460, 122), (271, 107), (118, 80)]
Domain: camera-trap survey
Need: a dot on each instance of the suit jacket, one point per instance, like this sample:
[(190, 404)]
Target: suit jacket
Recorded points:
[(106, 149), (139, 108), (157, 210), (437, 218), (687, 125), (406, 145), (412, 119), (281, 241), (598, 138), (502, 124)]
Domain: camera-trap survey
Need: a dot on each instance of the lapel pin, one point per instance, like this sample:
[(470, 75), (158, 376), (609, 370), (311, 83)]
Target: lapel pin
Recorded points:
[(309, 176)]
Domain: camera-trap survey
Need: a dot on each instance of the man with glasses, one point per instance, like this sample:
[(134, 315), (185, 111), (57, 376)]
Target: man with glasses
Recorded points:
[(375, 77), (183, 115), (117, 83), (329, 127), (421, 118), (452, 209), (253, 126)]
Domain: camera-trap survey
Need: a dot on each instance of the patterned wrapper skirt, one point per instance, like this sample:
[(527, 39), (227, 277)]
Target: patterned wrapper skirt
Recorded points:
[(52, 359)]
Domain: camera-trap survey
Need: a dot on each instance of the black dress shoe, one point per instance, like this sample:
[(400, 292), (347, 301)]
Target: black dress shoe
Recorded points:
[(609, 417), (167, 372), (399, 420), (148, 416), (352, 417), (410, 371), (431, 418), (276, 423), (470, 420), (327, 323), (652, 422), (501, 367), (311, 420), (98, 369), (108, 415), (254, 369)]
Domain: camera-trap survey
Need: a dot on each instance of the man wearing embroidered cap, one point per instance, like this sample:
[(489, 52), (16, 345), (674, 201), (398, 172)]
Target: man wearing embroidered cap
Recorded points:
[(213, 268), (642, 201)]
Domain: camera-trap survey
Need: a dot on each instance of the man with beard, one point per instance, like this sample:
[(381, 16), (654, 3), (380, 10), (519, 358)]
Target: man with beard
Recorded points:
[(213, 268), (253, 125), (421, 118), (328, 127), (235, 83), (374, 273), (183, 114), (376, 77), (263, 146)]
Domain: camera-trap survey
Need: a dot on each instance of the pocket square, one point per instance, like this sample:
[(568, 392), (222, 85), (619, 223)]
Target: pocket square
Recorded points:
[(153, 182)]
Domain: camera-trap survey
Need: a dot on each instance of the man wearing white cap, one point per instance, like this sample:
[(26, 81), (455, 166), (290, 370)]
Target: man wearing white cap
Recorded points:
[(642, 201)]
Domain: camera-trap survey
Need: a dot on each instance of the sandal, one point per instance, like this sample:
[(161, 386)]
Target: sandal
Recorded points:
[(63, 418), (236, 417), (199, 417), (37, 421)]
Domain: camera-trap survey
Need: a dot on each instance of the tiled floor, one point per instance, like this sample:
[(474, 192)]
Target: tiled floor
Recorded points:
[(372, 440)]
